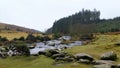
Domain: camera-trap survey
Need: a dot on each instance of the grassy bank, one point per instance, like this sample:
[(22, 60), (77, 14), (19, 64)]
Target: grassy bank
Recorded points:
[(102, 44), (35, 62)]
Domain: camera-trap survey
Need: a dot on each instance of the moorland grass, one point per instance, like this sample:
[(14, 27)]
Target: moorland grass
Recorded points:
[(102, 44), (13, 35), (35, 62)]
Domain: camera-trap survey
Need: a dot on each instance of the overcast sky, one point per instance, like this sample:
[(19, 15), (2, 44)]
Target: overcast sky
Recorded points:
[(41, 14)]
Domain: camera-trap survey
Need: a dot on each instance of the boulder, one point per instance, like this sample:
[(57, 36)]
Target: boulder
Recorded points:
[(84, 61), (1, 55), (118, 66), (42, 52), (83, 56), (99, 62), (109, 56), (59, 59), (69, 59), (58, 55), (65, 59), (103, 66), (10, 53), (51, 52)]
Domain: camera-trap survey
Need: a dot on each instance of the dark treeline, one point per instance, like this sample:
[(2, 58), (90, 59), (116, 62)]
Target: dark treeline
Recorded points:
[(84, 22)]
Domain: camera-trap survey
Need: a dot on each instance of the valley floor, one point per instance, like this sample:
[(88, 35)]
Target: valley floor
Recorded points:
[(102, 44)]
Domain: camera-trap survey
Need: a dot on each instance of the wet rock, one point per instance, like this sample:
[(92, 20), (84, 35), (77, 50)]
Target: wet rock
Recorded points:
[(37, 51), (109, 56), (99, 62), (65, 59), (10, 53), (84, 61), (58, 55), (69, 59), (50, 53), (42, 53), (83, 56), (59, 59)]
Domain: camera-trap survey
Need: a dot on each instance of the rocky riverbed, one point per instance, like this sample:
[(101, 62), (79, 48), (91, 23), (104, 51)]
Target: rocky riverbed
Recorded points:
[(53, 44)]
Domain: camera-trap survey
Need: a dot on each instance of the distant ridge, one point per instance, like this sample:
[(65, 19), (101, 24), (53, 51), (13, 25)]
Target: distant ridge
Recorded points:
[(11, 27)]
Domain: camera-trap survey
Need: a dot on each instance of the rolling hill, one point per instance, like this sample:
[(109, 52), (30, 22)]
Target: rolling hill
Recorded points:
[(13, 31), (9, 27)]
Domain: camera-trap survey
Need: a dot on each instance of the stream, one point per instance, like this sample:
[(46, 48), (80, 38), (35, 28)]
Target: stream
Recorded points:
[(52, 44)]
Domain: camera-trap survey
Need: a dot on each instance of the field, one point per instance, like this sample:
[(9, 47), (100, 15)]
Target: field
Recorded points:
[(12, 35), (102, 44), (34, 62)]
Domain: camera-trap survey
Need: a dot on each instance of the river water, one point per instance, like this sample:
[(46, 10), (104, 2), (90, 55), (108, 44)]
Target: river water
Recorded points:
[(52, 44)]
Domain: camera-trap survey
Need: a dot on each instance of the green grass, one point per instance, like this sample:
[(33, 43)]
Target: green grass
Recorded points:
[(35, 62), (102, 44)]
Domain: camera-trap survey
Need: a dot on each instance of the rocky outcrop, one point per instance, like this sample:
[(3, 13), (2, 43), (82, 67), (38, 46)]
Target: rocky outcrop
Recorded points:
[(107, 61), (65, 59), (59, 55), (109, 56), (51, 52), (104, 64), (84, 56)]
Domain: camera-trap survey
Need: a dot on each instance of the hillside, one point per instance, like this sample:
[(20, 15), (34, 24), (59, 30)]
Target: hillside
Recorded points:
[(85, 22), (12, 31), (8, 27)]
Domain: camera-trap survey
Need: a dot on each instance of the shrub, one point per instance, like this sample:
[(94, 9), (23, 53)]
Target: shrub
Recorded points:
[(87, 37), (31, 38), (56, 36), (4, 39), (23, 49), (21, 38), (46, 38), (15, 39)]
